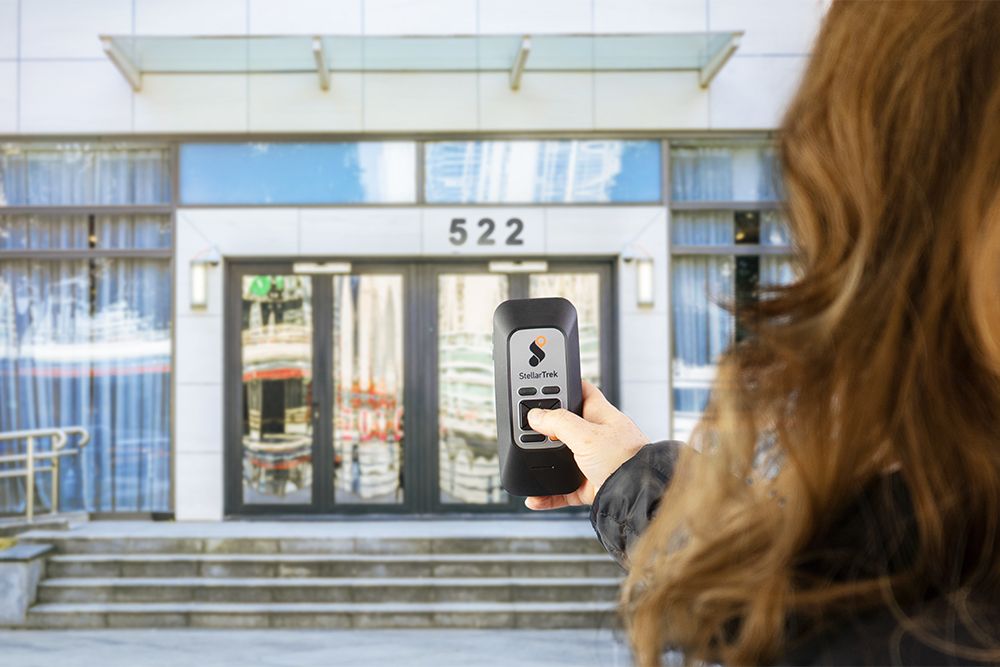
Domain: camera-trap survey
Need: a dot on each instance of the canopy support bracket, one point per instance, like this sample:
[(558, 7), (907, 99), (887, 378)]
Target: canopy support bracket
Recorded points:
[(322, 69), (122, 63), (517, 70), (715, 63)]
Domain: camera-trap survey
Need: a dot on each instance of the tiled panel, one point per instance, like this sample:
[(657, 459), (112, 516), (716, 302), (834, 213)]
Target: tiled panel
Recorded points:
[(420, 102), (296, 103), (198, 352), (545, 101), (8, 28), (406, 17), (534, 16), (649, 100), (597, 230), (310, 17), (8, 97), (248, 232), (69, 28), (647, 404), (198, 481), (360, 232), (752, 93), (192, 103), (772, 26), (612, 16), (199, 424), (642, 344), (190, 17), (81, 96)]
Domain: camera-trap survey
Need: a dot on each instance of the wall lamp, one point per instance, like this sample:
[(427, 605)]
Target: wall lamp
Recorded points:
[(200, 264), (645, 277)]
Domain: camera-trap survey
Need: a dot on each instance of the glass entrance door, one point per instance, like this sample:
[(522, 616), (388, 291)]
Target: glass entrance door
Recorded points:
[(372, 392)]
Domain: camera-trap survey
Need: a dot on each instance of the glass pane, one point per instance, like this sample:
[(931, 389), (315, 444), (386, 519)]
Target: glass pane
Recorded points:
[(80, 232), (276, 358), (777, 270), (584, 291), (570, 171), (88, 344), (72, 174), (774, 229), (467, 447), (724, 172), (368, 388), (139, 232), (702, 331), (701, 228), (318, 173)]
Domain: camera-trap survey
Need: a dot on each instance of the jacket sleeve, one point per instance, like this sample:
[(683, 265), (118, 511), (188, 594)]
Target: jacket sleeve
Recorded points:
[(628, 499)]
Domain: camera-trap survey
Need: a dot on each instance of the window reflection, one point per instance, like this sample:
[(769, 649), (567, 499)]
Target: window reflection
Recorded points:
[(584, 291), (564, 171), (467, 445), (276, 339), (368, 388)]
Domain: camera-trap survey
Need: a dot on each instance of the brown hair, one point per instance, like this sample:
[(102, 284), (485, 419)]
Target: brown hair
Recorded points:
[(884, 355)]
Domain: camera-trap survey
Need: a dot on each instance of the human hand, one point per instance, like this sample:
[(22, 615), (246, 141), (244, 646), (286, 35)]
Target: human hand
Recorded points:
[(601, 441)]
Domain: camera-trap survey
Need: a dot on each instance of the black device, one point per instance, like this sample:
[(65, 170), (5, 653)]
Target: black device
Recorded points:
[(536, 356)]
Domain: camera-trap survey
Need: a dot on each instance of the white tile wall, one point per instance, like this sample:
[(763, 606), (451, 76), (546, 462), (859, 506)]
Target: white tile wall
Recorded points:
[(242, 232), (545, 101), (8, 97), (772, 26), (340, 232), (310, 17), (597, 231), (752, 92), (649, 100), (642, 341), (198, 351), (535, 16), (611, 16), (8, 28), (192, 103), (199, 480), (647, 403), (408, 17), (69, 28), (190, 17), (198, 427), (296, 103), (441, 102), (64, 97)]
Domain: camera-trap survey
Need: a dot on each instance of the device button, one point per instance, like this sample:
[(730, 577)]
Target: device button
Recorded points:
[(550, 390), (533, 437), (527, 391), (543, 403)]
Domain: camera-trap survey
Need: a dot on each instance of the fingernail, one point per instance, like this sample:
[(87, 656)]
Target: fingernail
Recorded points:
[(537, 412)]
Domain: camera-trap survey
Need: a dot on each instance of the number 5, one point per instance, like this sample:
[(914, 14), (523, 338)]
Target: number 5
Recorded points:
[(457, 234)]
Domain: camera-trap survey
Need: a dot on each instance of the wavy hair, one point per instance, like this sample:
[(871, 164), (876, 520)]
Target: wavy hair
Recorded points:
[(882, 357)]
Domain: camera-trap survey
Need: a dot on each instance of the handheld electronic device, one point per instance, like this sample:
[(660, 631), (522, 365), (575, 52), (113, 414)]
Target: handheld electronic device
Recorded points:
[(536, 356)]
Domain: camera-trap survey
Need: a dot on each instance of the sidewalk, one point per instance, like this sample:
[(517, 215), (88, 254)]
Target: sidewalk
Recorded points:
[(314, 648)]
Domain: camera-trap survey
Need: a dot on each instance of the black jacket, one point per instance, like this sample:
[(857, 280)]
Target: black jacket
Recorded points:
[(629, 498)]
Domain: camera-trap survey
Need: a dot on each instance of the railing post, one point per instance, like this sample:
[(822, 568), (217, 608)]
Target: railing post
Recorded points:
[(29, 485), (55, 485)]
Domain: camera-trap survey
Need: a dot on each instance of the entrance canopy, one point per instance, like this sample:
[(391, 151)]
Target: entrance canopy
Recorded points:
[(326, 55)]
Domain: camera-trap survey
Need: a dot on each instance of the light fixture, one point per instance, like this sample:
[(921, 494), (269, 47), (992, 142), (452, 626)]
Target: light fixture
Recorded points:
[(644, 282), (200, 264)]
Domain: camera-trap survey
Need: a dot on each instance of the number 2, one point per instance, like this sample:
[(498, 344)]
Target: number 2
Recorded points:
[(515, 236)]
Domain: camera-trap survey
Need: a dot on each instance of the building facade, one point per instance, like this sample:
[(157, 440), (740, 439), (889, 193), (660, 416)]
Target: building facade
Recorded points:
[(254, 246)]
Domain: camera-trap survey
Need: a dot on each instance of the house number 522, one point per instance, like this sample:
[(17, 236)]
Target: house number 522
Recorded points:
[(458, 233)]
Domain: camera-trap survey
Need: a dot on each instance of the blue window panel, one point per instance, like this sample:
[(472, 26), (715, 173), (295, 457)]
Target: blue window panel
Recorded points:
[(556, 171), (286, 173)]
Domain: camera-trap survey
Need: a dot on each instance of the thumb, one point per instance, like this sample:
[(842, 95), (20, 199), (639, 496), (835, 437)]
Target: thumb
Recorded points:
[(567, 427)]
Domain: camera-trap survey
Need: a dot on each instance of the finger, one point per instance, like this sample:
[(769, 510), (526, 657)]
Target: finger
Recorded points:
[(545, 502), (565, 426), (596, 407)]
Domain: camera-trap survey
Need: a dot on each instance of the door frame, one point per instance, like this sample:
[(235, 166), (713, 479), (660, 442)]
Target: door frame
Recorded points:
[(421, 492)]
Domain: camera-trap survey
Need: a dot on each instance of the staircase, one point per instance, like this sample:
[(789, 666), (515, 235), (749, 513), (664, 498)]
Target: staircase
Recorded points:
[(301, 581)]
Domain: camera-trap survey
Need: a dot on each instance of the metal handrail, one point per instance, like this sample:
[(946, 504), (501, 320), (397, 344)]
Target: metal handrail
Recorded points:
[(59, 437)]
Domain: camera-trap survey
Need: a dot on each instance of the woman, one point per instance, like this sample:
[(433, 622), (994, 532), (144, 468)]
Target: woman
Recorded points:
[(840, 502)]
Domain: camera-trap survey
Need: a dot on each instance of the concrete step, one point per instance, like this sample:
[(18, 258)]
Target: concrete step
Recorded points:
[(111, 544), (538, 615), (333, 565), (11, 526), (316, 589)]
